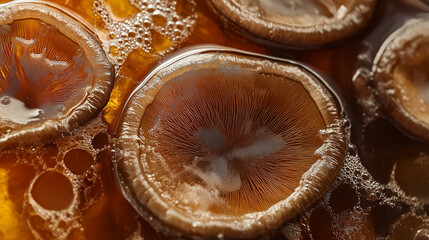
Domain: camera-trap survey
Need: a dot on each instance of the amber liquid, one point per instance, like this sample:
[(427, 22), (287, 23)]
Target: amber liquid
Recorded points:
[(86, 201)]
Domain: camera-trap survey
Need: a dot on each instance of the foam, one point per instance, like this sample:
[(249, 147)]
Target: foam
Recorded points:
[(60, 224), (137, 31), (354, 223)]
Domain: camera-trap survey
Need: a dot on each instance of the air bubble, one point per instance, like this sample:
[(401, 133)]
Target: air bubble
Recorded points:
[(100, 141), (53, 191), (154, 17), (320, 224), (150, 8), (113, 50), (78, 161), (159, 19), (160, 42), (343, 198), (177, 32), (147, 23)]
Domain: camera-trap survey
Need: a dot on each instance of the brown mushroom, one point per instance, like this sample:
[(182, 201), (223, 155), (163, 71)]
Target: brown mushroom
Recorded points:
[(401, 77), (224, 143), (296, 23), (411, 173), (54, 74)]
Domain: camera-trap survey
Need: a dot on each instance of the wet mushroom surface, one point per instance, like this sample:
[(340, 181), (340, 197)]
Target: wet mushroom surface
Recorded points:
[(54, 74), (228, 143), (296, 23), (401, 77), (66, 187)]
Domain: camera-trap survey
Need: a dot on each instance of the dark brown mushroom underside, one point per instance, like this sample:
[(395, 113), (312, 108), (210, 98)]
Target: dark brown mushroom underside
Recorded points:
[(296, 23), (299, 13), (411, 81), (229, 143), (42, 72)]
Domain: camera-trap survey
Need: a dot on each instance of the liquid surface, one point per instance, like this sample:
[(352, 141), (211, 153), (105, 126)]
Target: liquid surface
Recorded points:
[(375, 196)]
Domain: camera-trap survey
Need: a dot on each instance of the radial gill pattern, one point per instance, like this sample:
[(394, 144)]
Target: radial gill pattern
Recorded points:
[(54, 74), (228, 143)]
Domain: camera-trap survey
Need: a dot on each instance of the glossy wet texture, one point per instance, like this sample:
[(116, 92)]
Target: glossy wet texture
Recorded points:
[(43, 73), (295, 24), (304, 13), (376, 184), (265, 129), (54, 74), (401, 77), (238, 167)]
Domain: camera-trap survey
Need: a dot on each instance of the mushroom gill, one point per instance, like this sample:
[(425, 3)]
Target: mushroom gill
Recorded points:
[(54, 74), (228, 144), (296, 23), (401, 77)]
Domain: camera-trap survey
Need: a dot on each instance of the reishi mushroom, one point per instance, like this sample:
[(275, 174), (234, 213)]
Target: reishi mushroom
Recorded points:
[(221, 143), (401, 77), (54, 74), (296, 23)]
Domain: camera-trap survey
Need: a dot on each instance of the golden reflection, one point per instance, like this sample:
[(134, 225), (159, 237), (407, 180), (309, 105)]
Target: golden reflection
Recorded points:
[(121, 9), (11, 223)]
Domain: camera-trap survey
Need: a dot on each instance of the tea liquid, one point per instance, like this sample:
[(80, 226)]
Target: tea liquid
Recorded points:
[(66, 188)]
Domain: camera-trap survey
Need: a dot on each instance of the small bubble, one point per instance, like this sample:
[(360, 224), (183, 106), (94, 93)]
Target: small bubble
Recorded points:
[(177, 32), (147, 23), (179, 25), (113, 50), (159, 19), (150, 8), (53, 191)]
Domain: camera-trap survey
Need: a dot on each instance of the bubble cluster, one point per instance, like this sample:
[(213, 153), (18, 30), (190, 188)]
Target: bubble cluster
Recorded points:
[(157, 27), (359, 207), (54, 184)]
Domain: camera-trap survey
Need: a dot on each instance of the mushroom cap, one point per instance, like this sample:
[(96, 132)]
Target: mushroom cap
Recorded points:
[(296, 23), (209, 146), (401, 77), (55, 74)]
